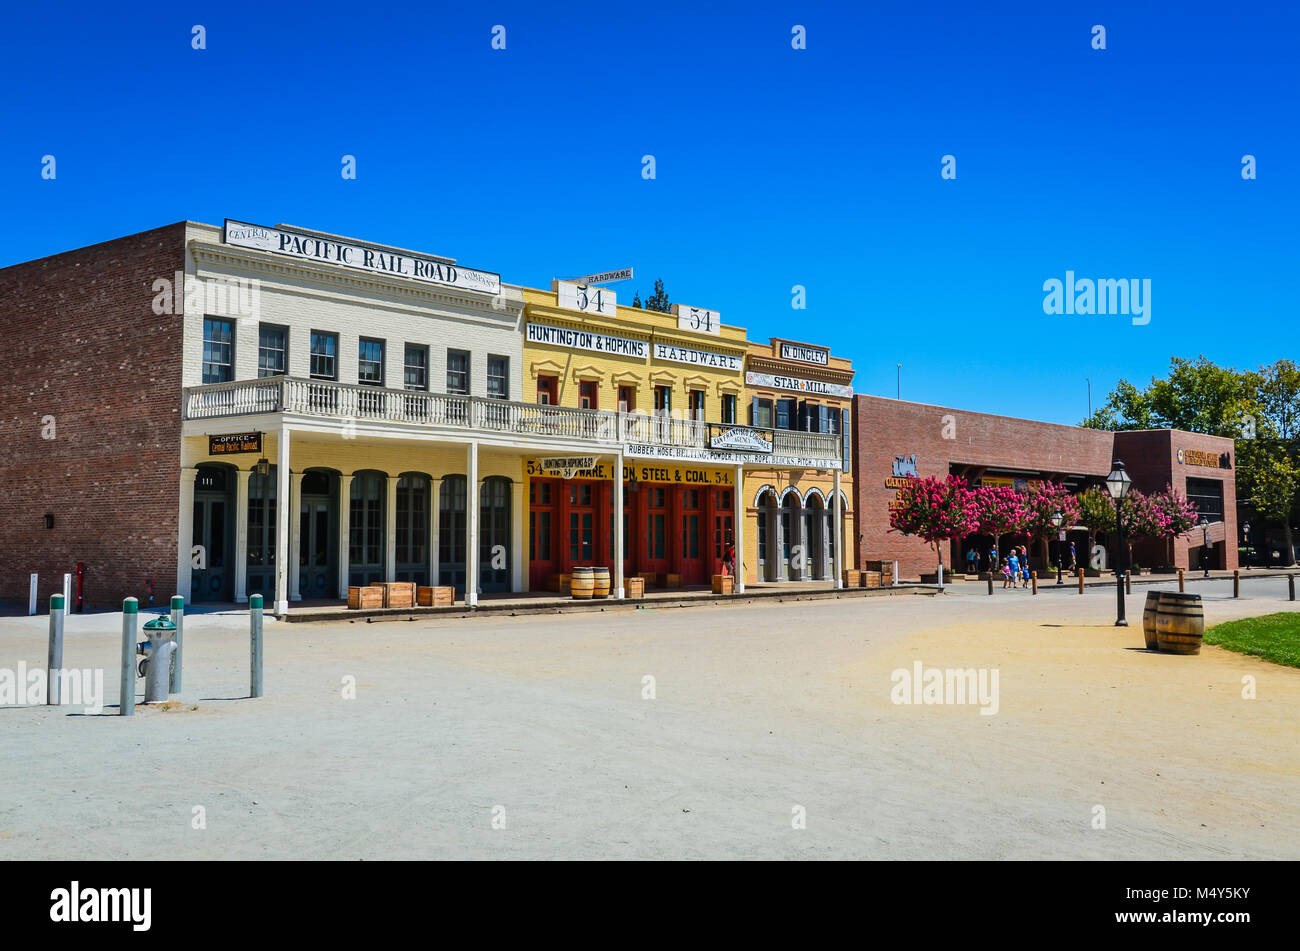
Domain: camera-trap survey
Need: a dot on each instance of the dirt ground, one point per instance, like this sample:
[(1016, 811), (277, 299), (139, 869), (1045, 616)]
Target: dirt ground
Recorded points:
[(534, 737)]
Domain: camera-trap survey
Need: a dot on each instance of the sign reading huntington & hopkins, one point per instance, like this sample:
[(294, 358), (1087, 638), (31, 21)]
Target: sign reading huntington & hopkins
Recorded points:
[(739, 438), (588, 340), (778, 382), (377, 260)]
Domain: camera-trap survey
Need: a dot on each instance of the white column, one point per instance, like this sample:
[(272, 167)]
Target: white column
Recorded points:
[(618, 527), (282, 527), (435, 516), (294, 554), (185, 536), (242, 477), (471, 540), (345, 527), (738, 529), (390, 531), (519, 518), (837, 520)]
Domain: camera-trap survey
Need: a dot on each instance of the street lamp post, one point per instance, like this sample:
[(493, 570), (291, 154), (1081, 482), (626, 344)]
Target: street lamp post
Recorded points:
[(1118, 483), (1058, 520), (1205, 545)]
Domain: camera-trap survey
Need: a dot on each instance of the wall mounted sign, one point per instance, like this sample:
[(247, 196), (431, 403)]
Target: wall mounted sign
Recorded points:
[(604, 471), (805, 354), (1211, 460), (605, 277), (586, 299), (697, 358), (233, 443), (588, 340), (777, 382), (905, 465), (568, 466), (739, 438), (362, 257), (698, 319), (724, 457)]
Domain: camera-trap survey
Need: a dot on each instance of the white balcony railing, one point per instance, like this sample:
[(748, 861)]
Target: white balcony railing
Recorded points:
[(345, 401)]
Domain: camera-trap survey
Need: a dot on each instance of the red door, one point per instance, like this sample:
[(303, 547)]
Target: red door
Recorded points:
[(723, 525), (692, 536), (542, 531), (655, 537), (582, 523)]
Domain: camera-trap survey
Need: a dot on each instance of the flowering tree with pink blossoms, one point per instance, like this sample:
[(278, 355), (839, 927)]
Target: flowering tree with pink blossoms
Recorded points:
[(1000, 510), (1172, 515), (1043, 501), (936, 510)]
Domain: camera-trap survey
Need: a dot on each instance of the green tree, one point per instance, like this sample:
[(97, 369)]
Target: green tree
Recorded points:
[(657, 301)]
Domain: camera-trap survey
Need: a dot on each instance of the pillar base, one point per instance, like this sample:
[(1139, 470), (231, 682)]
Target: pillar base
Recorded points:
[(281, 608)]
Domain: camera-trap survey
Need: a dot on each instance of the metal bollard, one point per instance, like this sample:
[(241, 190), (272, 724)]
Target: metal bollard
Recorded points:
[(1236, 582), (1081, 581), (178, 618), (126, 697), (255, 644), (1033, 578), (1128, 582), (990, 583), (54, 663), (1290, 584), (1180, 580)]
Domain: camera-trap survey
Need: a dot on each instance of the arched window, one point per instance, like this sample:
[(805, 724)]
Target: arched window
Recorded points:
[(451, 532), (366, 528), (262, 527), (494, 553), (413, 528)]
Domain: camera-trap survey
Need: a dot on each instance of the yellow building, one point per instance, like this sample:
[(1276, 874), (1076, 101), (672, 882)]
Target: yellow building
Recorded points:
[(652, 383), (803, 393)]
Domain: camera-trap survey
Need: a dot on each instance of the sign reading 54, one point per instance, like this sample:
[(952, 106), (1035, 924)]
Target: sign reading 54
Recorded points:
[(587, 299), (698, 319)]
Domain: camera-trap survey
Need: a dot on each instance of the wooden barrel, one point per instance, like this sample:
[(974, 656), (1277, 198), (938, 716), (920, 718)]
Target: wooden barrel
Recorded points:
[(582, 582), (600, 582), (1180, 623), (1149, 620)]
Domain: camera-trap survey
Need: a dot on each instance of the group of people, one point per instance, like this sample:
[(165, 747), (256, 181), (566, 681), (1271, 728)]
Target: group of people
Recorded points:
[(1014, 567)]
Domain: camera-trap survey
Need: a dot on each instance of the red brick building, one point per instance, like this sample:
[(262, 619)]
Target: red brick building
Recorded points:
[(894, 439)]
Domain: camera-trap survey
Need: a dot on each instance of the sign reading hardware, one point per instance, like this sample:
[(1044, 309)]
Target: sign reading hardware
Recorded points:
[(1212, 460), (309, 247), (698, 319), (605, 277), (588, 300), (684, 475), (777, 382), (586, 340), (805, 354), (739, 438), (697, 358), (235, 442)]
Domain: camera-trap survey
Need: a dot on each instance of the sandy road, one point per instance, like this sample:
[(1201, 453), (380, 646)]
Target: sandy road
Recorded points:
[(758, 710)]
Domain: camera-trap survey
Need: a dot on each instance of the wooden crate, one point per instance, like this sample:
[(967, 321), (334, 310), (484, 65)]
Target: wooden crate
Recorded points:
[(871, 579), (635, 587), (437, 596), (368, 596), (672, 580), (852, 578), (399, 594), (724, 584), (649, 579)]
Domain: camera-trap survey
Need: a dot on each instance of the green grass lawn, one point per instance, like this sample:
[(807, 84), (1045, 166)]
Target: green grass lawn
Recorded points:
[(1274, 637)]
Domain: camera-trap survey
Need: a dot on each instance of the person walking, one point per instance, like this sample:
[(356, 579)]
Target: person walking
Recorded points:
[(1024, 566), (993, 558), (1074, 558), (729, 559), (1012, 571)]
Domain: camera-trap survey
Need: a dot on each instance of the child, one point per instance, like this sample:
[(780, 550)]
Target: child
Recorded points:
[(1006, 574)]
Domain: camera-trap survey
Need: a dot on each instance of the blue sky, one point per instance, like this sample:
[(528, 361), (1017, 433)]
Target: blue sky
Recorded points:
[(775, 167)]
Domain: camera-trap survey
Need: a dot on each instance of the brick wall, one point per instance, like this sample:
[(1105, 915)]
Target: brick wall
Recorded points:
[(82, 345)]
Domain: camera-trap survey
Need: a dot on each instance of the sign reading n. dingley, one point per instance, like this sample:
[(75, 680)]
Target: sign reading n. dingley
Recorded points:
[(587, 340), (777, 382), (235, 442), (739, 438), (310, 247), (805, 354)]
